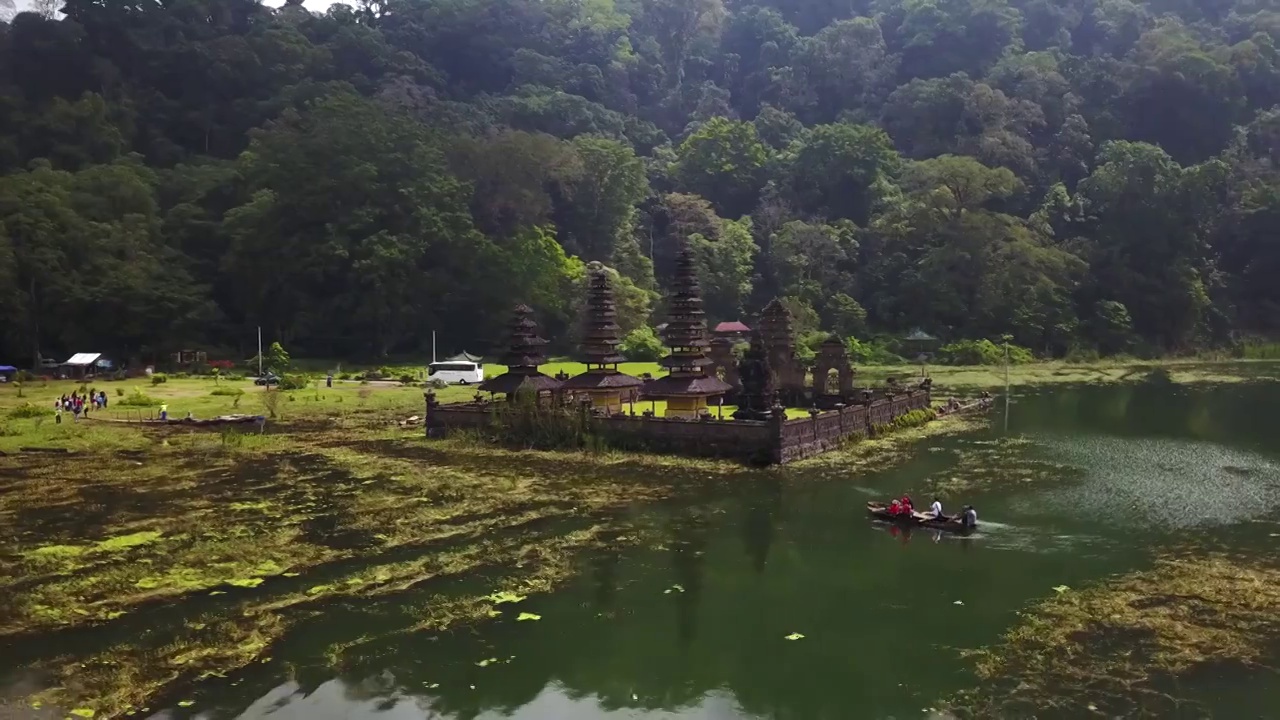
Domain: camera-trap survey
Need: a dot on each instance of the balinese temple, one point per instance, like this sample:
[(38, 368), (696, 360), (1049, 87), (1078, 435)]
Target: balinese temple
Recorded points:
[(607, 387), (757, 397), (780, 344), (687, 387), (526, 352)]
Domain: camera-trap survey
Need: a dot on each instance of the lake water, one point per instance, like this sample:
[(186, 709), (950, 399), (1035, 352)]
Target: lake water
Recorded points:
[(1072, 485)]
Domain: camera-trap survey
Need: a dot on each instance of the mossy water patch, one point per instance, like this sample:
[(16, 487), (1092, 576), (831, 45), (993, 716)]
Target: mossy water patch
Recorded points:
[(998, 463), (235, 631), (1126, 647), (68, 557), (124, 542)]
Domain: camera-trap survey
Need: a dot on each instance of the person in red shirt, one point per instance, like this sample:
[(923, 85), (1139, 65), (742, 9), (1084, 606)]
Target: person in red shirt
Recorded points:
[(895, 508), (907, 509)]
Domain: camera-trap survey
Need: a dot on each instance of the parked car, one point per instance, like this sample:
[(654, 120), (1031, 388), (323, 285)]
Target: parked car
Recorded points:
[(268, 379)]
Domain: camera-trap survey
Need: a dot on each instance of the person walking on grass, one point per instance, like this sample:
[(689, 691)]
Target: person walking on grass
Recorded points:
[(164, 413)]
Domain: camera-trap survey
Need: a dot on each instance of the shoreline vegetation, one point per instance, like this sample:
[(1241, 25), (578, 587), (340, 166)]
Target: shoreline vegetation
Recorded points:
[(219, 542)]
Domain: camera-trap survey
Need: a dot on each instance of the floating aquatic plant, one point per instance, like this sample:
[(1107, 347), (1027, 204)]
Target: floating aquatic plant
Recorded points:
[(1124, 645)]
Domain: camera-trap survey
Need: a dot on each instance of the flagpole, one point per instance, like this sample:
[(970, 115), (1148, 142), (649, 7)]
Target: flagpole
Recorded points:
[(433, 346), (259, 351)]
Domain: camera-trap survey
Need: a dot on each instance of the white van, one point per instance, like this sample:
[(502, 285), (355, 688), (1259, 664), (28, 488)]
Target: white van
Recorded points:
[(457, 372)]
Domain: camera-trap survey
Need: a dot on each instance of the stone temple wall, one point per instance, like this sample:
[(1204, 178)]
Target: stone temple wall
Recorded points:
[(771, 441)]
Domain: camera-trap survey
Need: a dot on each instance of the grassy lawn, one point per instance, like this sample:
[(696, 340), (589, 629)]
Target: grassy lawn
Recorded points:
[(383, 402), (201, 397)]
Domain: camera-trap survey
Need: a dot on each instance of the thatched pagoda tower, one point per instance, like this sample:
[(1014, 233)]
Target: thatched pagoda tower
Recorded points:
[(687, 386), (780, 344), (526, 352), (607, 387)]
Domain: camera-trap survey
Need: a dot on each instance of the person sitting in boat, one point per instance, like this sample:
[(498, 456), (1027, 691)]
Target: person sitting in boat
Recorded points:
[(970, 517), (895, 508), (907, 509), (935, 509)]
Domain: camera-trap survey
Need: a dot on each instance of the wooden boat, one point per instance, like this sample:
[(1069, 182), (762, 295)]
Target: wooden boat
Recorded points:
[(949, 523)]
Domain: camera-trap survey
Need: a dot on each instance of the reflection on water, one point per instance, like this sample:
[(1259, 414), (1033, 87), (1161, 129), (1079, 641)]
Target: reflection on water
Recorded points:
[(695, 624), (335, 700)]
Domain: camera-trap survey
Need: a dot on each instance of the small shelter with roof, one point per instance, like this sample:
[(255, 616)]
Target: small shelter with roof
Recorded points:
[(919, 344), (687, 386), (526, 352), (7, 373), (464, 356), (732, 330), (82, 365), (602, 382)]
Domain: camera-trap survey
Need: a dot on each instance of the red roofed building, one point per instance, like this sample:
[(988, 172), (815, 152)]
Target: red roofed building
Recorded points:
[(733, 330)]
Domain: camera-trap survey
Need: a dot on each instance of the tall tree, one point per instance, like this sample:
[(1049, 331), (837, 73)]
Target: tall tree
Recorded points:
[(723, 161)]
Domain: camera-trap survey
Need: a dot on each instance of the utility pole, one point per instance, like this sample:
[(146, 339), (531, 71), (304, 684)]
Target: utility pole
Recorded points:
[(1006, 384), (259, 351), (433, 347)]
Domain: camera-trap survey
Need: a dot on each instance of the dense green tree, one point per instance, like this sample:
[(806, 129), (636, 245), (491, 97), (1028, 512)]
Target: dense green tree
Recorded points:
[(941, 37), (1083, 173), (723, 161), (839, 171), (964, 265), (724, 267), (513, 175), (344, 195), (599, 202), (849, 68), (1180, 96), (1144, 250), (84, 253)]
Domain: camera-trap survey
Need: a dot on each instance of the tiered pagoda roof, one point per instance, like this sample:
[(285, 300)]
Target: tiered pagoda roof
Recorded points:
[(524, 354), (686, 337), (601, 339), (775, 329)]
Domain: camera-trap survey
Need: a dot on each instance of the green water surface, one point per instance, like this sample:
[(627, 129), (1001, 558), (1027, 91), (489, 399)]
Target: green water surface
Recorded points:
[(1072, 485)]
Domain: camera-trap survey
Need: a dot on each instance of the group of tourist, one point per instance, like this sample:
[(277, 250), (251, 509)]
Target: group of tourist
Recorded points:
[(904, 507), (78, 404)]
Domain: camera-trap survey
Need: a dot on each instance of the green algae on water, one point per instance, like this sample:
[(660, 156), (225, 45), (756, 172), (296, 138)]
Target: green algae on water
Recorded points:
[(1124, 645)]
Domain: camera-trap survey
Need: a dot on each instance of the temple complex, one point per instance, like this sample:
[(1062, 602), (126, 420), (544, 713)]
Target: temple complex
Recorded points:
[(525, 354), (603, 383), (687, 385), (768, 380)]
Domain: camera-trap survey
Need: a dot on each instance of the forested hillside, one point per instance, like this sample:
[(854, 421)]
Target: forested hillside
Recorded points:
[(1079, 174)]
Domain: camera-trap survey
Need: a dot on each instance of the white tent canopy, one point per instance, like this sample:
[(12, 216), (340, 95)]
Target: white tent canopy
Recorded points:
[(83, 359)]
